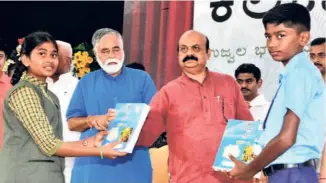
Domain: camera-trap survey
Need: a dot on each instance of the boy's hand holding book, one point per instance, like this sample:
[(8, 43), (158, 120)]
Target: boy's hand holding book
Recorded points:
[(241, 170)]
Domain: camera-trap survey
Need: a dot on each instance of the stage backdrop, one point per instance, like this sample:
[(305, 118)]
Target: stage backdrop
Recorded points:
[(236, 34), (151, 30)]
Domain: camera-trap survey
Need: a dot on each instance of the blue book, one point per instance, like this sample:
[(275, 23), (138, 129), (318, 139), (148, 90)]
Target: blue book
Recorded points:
[(127, 125), (240, 139)]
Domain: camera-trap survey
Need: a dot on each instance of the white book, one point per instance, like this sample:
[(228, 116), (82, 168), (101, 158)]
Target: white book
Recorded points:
[(240, 139), (127, 125)]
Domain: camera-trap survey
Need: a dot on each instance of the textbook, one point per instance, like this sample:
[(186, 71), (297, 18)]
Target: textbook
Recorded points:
[(240, 139), (127, 125)]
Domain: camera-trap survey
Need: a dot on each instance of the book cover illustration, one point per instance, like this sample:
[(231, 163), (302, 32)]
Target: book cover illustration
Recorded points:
[(127, 125), (240, 139)]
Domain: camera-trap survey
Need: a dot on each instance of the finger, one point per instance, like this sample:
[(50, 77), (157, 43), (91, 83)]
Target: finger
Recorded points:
[(117, 153), (232, 158), (106, 123), (102, 125), (228, 174), (224, 172), (113, 157), (111, 112), (101, 134), (110, 118), (97, 126), (94, 123), (113, 144), (104, 133)]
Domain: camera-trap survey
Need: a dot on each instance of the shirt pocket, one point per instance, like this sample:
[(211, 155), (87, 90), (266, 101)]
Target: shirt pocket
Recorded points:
[(225, 109)]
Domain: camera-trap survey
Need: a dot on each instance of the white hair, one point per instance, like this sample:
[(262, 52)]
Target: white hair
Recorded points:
[(65, 46), (102, 32)]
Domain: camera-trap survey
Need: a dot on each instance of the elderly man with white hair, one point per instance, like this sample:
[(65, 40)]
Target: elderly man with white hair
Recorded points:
[(63, 84), (94, 95)]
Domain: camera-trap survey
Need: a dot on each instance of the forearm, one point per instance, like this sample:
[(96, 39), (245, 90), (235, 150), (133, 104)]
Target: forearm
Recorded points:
[(151, 130), (323, 163), (78, 148), (277, 146), (146, 138), (78, 124), (271, 152)]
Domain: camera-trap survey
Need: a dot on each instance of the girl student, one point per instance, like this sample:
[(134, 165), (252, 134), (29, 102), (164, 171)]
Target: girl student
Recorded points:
[(32, 147)]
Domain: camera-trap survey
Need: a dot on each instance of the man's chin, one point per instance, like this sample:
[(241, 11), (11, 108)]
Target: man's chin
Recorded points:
[(112, 70), (246, 93)]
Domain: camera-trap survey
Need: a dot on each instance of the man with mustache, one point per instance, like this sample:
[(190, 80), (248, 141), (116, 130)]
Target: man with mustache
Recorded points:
[(95, 93), (194, 109), (318, 57), (249, 79)]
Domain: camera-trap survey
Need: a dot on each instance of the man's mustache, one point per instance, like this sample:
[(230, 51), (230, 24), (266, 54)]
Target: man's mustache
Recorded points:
[(189, 57), (318, 64), (245, 89)]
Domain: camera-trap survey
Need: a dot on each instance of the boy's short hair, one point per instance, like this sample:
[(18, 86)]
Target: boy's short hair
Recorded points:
[(318, 41), (248, 68), (291, 15)]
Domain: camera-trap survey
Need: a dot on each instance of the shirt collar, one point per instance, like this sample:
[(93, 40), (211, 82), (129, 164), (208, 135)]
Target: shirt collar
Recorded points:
[(121, 74), (259, 101), (64, 76), (186, 79), (294, 61), (33, 80)]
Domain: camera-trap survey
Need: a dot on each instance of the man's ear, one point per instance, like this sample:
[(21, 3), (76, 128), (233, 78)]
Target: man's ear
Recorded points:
[(209, 53), (304, 38), (260, 83)]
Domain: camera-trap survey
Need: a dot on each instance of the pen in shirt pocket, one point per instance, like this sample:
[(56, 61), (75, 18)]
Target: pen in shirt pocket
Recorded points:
[(218, 99)]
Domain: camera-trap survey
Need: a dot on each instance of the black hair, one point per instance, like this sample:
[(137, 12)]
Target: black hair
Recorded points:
[(31, 41), (248, 68), (291, 15), (318, 41), (207, 44), (136, 65)]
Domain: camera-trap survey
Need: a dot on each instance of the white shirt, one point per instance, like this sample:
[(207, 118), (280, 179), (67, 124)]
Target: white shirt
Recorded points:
[(325, 112), (64, 89), (259, 108), (319, 161)]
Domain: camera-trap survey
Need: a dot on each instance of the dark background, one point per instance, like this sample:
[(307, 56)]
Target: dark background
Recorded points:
[(73, 22)]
